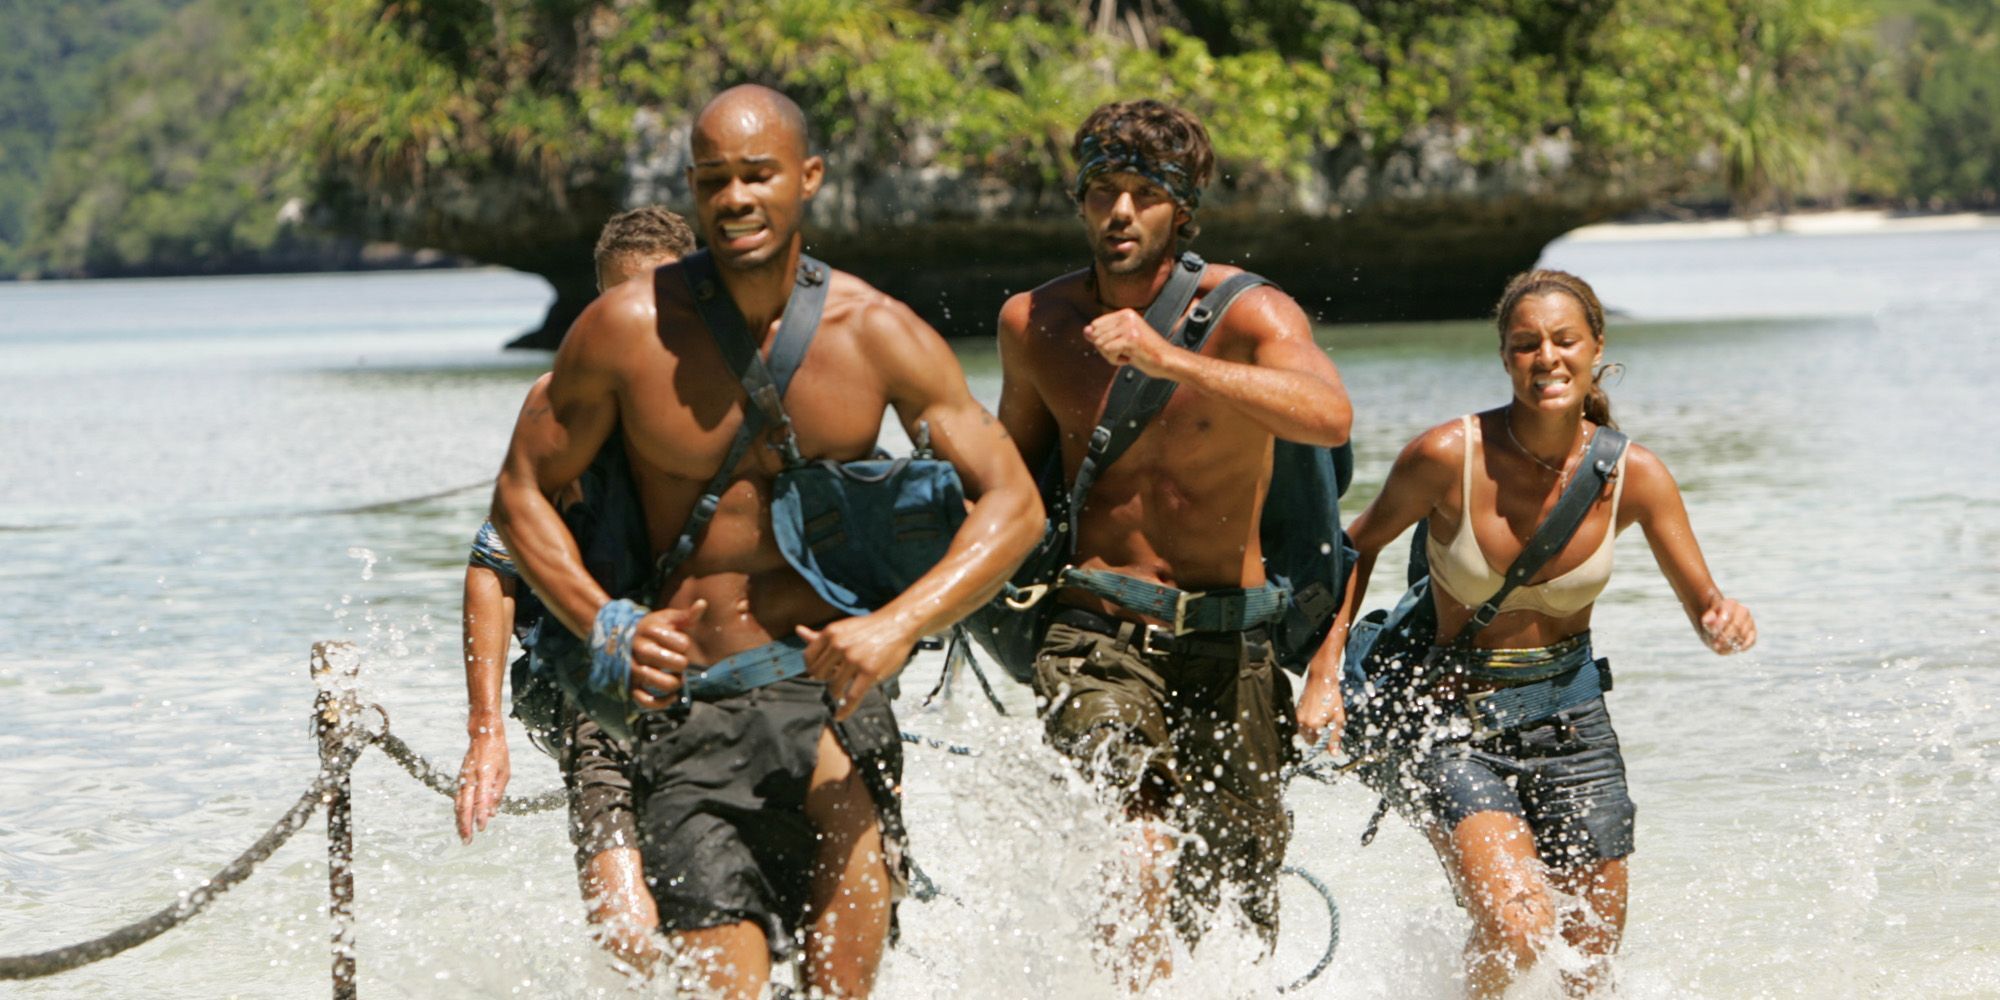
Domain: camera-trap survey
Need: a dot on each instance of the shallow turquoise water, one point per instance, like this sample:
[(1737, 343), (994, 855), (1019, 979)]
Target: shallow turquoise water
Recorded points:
[(200, 478)]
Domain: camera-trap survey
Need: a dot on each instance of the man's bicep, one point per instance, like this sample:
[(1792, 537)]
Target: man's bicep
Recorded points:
[(561, 427), (929, 387)]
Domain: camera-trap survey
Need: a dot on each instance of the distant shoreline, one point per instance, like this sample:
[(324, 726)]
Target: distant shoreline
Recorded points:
[(1837, 222)]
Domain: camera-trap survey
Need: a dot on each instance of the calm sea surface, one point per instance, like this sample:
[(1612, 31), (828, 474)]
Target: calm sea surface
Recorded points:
[(199, 479)]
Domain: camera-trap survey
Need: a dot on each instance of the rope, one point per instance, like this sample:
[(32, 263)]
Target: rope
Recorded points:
[(1333, 926), (957, 652), (444, 783), (937, 744), (48, 963)]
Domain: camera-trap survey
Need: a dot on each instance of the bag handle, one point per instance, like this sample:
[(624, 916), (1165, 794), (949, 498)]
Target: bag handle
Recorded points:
[(764, 384), (1606, 447)]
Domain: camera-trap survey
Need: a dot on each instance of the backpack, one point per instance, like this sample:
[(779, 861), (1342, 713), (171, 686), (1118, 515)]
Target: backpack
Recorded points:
[(1305, 551)]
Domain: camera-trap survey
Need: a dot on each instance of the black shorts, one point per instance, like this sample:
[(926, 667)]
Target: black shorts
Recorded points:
[(721, 793), (1563, 775)]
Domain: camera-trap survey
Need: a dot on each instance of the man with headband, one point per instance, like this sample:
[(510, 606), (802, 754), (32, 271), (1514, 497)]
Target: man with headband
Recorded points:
[(1156, 674)]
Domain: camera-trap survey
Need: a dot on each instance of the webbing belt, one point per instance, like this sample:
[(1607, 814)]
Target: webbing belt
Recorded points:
[(1232, 610), (1493, 712), (747, 671), (1514, 667)]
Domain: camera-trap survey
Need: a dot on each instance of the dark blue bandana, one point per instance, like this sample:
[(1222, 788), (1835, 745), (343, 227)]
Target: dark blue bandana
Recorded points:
[(1100, 158)]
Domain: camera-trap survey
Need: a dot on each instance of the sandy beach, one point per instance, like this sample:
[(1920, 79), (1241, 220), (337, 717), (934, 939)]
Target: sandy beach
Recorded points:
[(1839, 222)]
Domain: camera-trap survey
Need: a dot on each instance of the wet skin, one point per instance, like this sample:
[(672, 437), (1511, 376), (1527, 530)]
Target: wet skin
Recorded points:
[(613, 883), (1181, 507), (648, 366), (1548, 352)]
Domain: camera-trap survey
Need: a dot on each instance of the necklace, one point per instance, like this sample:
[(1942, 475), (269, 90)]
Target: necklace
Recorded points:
[(1561, 471)]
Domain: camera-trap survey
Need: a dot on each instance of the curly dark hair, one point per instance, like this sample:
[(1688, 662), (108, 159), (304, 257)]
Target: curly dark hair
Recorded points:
[(1162, 134), (646, 231)]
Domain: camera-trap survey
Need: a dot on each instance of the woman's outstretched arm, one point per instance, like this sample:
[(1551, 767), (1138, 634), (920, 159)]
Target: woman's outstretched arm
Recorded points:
[(1653, 500)]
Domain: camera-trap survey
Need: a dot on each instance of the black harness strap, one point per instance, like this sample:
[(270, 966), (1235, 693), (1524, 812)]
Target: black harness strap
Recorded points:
[(1128, 407), (1607, 446), (1136, 399), (764, 384)]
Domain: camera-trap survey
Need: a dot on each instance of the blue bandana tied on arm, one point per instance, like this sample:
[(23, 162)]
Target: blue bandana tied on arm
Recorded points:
[(605, 693), (489, 551)]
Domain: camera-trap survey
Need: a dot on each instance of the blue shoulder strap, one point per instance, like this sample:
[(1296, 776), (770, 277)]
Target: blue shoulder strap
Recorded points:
[(764, 384)]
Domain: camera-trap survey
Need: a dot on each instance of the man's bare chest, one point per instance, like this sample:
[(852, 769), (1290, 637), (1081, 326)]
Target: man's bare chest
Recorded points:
[(1192, 430), (683, 423)]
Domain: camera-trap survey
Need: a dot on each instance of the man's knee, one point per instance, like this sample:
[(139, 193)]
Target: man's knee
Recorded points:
[(621, 909), (730, 960)]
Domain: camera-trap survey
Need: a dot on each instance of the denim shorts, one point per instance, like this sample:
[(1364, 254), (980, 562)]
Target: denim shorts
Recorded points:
[(1564, 776)]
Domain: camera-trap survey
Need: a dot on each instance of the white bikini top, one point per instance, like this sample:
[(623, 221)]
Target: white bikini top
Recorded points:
[(1459, 567)]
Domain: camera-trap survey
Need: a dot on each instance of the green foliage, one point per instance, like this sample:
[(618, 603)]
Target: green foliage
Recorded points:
[(53, 52), (501, 128), (389, 92), (1952, 77), (165, 173), (1777, 121)]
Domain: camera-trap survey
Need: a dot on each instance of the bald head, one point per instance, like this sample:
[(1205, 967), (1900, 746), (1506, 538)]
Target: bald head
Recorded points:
[(751, 176), (750, 110)]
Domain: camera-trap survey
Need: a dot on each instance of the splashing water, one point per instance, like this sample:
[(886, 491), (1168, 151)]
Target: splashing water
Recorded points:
[(1812, 815)]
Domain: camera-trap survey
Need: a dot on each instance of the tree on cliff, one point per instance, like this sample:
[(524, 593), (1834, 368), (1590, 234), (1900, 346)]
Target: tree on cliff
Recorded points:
[(506, 130), (1379, 143), (173, 170), (47, 68)]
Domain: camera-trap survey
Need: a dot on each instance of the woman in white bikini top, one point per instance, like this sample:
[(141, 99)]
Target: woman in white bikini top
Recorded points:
[(1524, 810), (1461, 571)]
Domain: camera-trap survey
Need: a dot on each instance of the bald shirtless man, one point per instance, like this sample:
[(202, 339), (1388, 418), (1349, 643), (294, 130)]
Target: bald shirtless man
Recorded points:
[(770, 812), (1194, 725)]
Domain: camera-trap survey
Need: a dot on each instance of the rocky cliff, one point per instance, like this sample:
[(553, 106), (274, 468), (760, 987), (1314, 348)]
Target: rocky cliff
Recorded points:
[(1417, 234)]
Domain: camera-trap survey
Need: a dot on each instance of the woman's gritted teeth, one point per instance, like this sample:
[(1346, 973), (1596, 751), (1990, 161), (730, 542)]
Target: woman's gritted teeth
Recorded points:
[(1551, 385)]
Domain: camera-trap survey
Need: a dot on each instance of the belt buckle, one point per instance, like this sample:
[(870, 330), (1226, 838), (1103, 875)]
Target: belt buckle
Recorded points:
[(1181, 603), (1156, 641), (1480, 731)]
